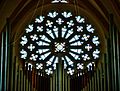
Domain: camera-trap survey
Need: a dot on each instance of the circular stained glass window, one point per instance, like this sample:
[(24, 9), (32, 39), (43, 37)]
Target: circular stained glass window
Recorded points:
[(62, 34)]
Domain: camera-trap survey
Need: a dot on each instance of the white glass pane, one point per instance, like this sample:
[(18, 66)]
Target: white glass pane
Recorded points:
[(73, 39), (39, 43), (76, 37), (51, 34), (90, 29), (39, 19), (76, 57), (72, 54), (45, 38), (74, 44), (45, 44), (52, 14), (67, 59), (67, 15), (79, 43), (68, 34), (46, 54), (65, 65), (80, 51), (45, 50), (56, 60), (63, 33), (51, 59), (74, 50), (29, 29), (56, 33)]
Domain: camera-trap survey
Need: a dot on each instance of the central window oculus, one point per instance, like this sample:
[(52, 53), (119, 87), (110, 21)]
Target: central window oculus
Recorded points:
[(59, 47)]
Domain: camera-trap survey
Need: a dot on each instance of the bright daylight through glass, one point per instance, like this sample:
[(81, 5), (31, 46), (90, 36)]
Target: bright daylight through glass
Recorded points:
[(60, 33)]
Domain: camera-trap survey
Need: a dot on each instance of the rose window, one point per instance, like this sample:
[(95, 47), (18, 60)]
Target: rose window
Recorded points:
[(60, 34)]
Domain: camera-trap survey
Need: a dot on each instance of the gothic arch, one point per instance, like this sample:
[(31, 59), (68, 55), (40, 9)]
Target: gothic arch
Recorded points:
[(32, 13)]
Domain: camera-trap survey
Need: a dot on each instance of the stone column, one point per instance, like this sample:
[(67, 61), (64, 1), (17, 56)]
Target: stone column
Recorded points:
[(59, 74), (112, 34), (53, 82), (118, 58), (1, 61), (4, 60), (68, 83)]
